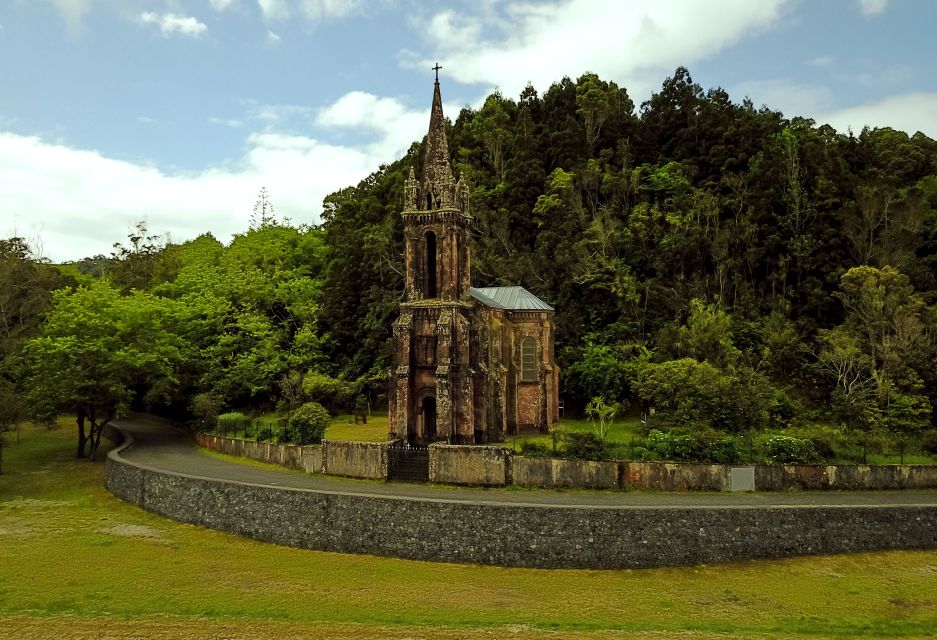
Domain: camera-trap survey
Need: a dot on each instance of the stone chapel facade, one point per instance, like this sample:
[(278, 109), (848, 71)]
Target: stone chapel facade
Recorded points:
[(470, 364)]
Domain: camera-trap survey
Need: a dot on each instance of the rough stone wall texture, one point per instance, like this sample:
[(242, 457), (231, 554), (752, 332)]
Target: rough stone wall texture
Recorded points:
[(553, 473), (519, 535), (665, 476), (849, 477), (487, 466), (355, 459), (308, 457)]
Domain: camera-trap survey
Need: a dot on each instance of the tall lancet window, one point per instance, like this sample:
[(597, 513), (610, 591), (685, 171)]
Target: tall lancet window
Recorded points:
[(529, 359), (430, 264)]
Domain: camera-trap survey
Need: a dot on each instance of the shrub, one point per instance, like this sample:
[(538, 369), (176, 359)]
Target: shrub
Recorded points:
[(206, 407), (270, 429), (672, 446), (232, 423), (308, 423), (535, 449), (586, 446), (781, 449), (722, 451), (929, 441), (641, 453), (691, 392)]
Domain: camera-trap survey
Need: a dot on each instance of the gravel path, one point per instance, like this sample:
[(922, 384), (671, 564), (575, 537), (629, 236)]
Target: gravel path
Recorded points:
[(159, 445)]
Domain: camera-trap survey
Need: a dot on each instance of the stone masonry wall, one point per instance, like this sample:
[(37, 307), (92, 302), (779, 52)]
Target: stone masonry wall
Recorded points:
[(514, 534), (306, 457), (355, 459), (495, 466), (478, 466)]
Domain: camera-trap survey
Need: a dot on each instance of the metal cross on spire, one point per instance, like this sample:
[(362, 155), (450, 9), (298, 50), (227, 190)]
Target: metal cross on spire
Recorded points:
[(436, 69)]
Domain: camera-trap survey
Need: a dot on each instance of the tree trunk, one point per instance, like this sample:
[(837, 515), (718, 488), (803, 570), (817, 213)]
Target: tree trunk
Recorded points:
[(82, 438)]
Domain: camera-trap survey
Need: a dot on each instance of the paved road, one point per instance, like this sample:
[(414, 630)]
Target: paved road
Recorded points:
[(157, 444)]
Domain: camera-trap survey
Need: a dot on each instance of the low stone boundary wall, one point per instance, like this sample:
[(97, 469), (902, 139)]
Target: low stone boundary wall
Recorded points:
[(355, 459), (555, 473), (483, 466), (292, 456), (520, 535), (496, 466)]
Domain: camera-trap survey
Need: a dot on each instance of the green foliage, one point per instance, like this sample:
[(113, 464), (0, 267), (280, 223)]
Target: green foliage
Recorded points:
[(688, 392), (601, 414), (782, 449), (722, 451), (690, 447), (97, 353), (929, 441), (233, 423), (668, 446), (12, 412), (308, 423), (586, 446), (328, 391), (533, 449), (206, 407)]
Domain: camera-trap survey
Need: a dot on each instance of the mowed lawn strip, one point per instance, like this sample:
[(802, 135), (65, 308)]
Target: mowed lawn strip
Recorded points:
[(68, 547)]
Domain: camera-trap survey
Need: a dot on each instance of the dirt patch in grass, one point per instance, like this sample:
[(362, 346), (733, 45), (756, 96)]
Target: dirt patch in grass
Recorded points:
[(134, 531)]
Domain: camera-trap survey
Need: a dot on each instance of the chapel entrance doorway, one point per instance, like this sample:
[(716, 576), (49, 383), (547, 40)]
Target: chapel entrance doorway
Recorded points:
[(428, 413)]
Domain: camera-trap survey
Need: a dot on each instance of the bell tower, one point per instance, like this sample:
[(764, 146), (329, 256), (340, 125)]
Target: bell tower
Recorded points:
[(431, 386), (436, 219)]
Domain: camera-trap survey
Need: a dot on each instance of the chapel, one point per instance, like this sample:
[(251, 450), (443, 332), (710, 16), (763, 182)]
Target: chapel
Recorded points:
[(471, 364)]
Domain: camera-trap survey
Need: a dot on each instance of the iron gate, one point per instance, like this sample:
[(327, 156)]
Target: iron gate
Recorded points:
[(407, 463)]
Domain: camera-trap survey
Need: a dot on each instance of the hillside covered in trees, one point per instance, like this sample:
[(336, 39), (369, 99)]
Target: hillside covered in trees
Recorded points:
[(733, 268)]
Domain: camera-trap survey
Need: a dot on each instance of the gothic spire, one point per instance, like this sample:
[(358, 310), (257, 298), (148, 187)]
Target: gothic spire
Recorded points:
[(436, 167)]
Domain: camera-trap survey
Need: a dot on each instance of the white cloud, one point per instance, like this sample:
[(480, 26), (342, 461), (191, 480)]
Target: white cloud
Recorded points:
[(227, 122), (312, 10), (396, 125), (821, 61), (80, 201), (273, 37), (274, 9), (872, 7), (170, 23), (630, 42), (910, 112), (320, 9), (220, 5), (73, 11)]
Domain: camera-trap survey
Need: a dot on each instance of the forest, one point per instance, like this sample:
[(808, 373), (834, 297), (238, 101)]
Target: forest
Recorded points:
[(723, 267)]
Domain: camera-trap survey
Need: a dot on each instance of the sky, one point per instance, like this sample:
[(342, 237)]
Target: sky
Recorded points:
[(178, 112)]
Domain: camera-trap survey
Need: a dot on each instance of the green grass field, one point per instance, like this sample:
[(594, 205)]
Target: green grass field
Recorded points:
[(343, 427), (77, 562)]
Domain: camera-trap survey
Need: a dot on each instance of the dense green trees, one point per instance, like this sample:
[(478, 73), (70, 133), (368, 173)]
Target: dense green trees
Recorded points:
[(728, 266), (695, 238)]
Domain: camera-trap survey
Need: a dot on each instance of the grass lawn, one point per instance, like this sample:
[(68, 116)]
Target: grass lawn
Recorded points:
[(77, 562), (343, 427)]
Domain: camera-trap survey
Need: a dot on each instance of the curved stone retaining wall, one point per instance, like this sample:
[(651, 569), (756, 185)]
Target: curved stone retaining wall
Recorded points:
[(518, 534)]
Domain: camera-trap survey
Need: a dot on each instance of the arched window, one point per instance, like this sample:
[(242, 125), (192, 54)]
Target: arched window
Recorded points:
[(430, 264), (529, 359)]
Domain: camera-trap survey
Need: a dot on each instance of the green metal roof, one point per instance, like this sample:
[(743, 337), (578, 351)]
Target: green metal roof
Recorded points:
[(510, 298)]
